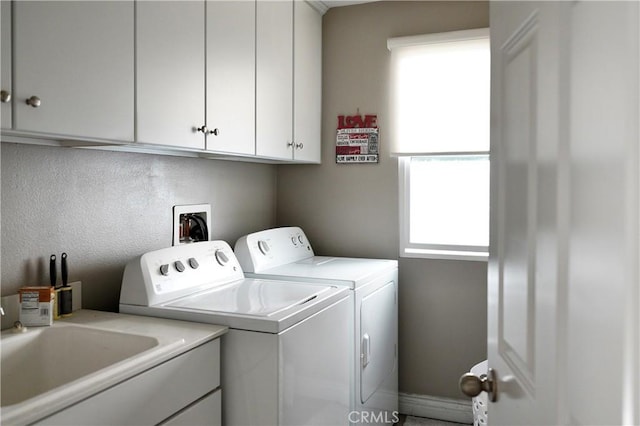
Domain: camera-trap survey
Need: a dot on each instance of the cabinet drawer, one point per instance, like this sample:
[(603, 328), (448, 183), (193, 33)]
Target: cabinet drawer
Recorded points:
[(152, 396), (206, 411)]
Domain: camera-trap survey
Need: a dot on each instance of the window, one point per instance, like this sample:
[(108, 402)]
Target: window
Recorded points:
[(440, 132)]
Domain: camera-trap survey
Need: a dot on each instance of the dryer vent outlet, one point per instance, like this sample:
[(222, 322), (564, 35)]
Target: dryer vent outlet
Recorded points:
[(191, 223)]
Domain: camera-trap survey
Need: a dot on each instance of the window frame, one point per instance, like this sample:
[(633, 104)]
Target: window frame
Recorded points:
[(422, 250), (407, 249)]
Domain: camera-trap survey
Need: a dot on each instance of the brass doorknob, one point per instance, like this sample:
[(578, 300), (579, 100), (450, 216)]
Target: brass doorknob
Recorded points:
[(471, 385), (5, 96)]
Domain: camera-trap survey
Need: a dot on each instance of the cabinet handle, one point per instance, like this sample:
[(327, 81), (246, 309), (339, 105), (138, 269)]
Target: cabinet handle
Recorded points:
[(299, 145), (206, 131), (290, 144), (34, 101), (5, 96)]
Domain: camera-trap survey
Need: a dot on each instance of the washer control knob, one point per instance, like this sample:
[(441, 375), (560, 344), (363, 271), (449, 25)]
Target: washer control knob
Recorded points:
[(300, 239), (221, 257), (179, 266), (193, 263), (294, 241), (263, 246), (164, 269)]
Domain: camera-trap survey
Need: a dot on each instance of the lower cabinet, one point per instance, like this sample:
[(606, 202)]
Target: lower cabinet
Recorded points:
[(205, 411), (183, 390)]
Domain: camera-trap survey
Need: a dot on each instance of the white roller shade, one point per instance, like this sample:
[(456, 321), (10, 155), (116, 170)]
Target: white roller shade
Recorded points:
[(440, 93)]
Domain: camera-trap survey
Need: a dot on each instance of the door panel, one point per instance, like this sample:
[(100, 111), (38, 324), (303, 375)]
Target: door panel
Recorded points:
[(307, 80), (78, 58), (377, 338), (602, 73), (564, 328), (231, 72), (5, 14), (170, 72), (524, 219), (274, 76), (517, 282)]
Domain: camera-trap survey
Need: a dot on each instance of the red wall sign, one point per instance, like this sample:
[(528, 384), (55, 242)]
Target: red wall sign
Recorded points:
[(357, 139)]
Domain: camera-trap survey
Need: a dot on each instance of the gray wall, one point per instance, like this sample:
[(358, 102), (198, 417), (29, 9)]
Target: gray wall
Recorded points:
[(104, 208), (352, 210)]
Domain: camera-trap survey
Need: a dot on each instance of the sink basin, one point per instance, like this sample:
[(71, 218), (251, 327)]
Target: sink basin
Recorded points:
[(45, 358)]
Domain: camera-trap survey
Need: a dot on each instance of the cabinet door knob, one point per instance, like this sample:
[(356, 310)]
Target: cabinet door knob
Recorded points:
[(203, 129), (5, 96), (214, 132), (290, 144), (299, 145), (34, 101)]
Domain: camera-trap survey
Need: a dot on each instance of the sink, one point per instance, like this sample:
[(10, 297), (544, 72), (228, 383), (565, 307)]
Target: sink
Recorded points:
[(45, 358), (48, 371)]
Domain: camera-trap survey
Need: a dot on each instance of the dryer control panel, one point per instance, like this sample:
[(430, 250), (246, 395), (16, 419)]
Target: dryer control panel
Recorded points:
[(271, 248), (167, 274)]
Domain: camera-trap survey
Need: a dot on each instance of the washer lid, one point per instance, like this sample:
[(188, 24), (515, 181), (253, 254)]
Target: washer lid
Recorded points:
[(253, 297)]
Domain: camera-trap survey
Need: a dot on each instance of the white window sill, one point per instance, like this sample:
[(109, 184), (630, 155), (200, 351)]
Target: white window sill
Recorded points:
[(445, 254)]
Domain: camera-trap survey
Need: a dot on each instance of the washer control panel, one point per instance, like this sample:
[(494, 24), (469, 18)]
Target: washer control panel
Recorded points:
[(271, 248), (166, 274)]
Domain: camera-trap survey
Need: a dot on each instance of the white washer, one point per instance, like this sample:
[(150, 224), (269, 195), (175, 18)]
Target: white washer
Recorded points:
[(285, 358), (286, 254)]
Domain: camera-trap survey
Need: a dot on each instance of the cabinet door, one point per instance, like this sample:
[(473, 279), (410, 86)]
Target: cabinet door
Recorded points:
[(274, 88), (5, 27), (307, 79), (231, 34), (77, 58), (170, 65)]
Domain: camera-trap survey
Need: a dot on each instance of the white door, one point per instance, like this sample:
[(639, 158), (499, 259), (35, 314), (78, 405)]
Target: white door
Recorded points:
[(170, 70), (231, 75), (307, 82), (74, 60), (5, 63), (564, 299), (274, 76)]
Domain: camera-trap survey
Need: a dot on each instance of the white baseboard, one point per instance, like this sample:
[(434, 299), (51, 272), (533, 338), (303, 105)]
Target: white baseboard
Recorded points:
[(448, 409)]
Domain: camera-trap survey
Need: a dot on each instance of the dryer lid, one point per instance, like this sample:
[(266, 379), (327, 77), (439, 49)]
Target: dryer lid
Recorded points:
[(345, 271)]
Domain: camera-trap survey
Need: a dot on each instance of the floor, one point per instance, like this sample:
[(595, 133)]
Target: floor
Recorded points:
[(423, 421)]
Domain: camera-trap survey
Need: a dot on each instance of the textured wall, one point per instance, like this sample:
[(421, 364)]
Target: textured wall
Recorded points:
[(104, 208), (352, 210)]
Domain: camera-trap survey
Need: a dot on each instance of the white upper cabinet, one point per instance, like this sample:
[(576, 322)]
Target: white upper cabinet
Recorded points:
[(274, 77), (170, 73), (73, 63), (289, 82), (221, 78), (231, 96), (5, 98), (307, 83)]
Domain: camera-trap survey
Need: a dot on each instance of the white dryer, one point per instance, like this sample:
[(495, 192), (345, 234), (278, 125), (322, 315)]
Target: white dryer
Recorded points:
[(285, 358), (286, 254)]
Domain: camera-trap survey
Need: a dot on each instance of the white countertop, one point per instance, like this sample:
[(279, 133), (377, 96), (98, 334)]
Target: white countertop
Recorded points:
[(174, 338)]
